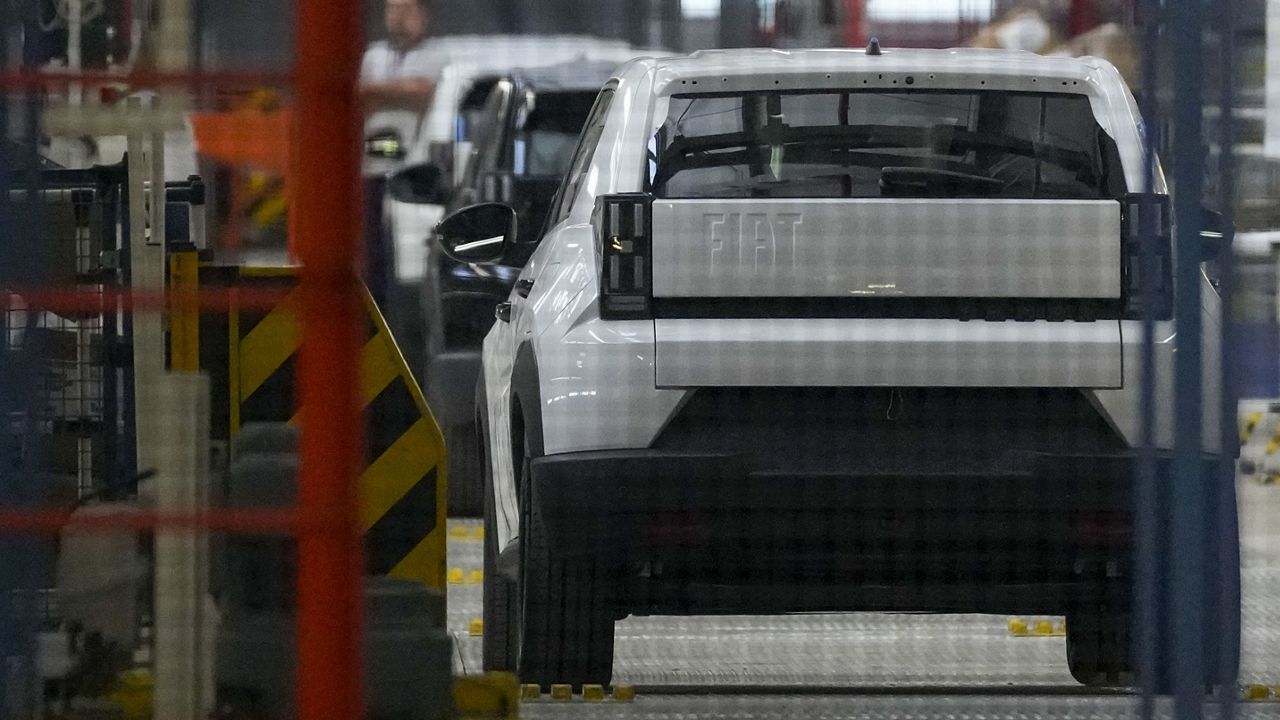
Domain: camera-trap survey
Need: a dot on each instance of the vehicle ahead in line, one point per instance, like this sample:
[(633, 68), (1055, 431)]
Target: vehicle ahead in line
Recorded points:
[(475, 63), (524, 134), (820, 331)]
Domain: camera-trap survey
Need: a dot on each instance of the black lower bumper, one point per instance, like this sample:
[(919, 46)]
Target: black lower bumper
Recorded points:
[(709, 533)]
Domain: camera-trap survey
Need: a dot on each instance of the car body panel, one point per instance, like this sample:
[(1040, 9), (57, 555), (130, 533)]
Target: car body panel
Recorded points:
[(604, 385), (865, 247), (820, 352)]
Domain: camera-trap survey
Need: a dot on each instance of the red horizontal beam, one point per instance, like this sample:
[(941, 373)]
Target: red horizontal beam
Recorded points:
[(35, 80), (73, 301), (44, 521)]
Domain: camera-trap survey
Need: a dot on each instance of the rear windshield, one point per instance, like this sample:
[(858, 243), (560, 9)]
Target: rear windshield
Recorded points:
[(545, 139), (900, 143)]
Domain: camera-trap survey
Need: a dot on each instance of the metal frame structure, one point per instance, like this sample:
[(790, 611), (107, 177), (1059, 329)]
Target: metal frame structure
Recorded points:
[(327, 226), (325, 520)]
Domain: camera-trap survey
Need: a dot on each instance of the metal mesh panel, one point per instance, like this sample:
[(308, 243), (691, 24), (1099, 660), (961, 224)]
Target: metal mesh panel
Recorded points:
[(894, 382)]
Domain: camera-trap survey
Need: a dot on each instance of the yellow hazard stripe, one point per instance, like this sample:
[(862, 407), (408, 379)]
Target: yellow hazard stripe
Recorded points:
[(381, 329), (378, 368), (269, 271), (269, 344), (184, 314), (233, 365), (269, 210), (390, 476), (424, 563), (377, 371), (402, 488), (409, 460)]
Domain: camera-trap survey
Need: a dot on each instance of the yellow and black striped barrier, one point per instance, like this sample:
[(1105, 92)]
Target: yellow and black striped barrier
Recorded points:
[(252, 352)]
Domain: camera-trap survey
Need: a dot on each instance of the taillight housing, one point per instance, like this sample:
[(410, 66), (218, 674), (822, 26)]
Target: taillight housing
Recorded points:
[(624, 241), (1151, 215)]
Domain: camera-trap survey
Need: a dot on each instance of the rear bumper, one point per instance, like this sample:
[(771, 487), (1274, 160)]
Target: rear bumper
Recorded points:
[(694, 533)]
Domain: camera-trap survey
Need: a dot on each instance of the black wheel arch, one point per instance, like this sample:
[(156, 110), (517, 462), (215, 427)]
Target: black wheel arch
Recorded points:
[(526, 396)]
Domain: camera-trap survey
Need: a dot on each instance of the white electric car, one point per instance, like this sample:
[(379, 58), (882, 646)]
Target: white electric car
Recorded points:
[(828, 331)]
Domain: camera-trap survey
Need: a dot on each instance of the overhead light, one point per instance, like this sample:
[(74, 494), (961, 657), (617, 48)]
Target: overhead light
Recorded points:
[(700, 8), (929, 10)]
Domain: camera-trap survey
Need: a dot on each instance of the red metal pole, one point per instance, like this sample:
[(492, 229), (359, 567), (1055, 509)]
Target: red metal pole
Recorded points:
[(855, 31), (325, 205), (1084, 16)]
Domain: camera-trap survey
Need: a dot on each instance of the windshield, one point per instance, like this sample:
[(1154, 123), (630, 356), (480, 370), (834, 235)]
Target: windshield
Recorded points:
[(546, 137), (471, 112), (902, 143)]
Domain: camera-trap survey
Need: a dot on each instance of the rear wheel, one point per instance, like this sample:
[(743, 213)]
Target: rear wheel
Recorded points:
[(501, 631), (1098, 647), (567, 623), (466, 481), (1100, 653), (556, 624)]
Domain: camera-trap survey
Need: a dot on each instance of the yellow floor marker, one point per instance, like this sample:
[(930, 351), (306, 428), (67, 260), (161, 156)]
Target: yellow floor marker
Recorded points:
[(1250, 424), (476, 627), (530, 691), (624, 693), (560, 691), (1042, 627), (593, 693), (455, 576)]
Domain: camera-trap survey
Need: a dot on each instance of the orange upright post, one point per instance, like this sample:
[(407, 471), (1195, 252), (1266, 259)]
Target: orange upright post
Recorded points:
[(855, 31), (325, 203), (1084, 16)]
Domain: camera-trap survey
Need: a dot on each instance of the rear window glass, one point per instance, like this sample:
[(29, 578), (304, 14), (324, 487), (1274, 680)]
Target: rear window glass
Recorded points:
[(883, 144)]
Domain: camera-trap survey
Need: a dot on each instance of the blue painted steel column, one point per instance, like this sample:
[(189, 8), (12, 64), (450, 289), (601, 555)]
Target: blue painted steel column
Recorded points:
[(23, 266), (1188, 527), (1146, 497), (10, 456), (1223, 590)]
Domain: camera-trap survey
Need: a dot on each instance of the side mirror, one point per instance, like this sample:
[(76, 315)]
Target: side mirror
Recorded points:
[(421, 184), (479, 233), (1215, 234), (384, 144)]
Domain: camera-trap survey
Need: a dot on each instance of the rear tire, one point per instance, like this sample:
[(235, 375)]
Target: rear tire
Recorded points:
[(466, 476), (567, 625), (556, 624), (1099, 647), (501, 634)]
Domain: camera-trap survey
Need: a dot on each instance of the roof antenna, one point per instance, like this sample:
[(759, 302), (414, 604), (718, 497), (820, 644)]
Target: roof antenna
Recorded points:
[(873, 47)]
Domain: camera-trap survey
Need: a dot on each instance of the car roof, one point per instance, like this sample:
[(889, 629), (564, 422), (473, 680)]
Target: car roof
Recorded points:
[(481, 44), (967, 61), (571, 76), (495, 54)]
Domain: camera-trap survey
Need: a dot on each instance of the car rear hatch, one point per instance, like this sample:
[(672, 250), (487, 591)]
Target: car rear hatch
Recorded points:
[(886, 237), (919, 292)]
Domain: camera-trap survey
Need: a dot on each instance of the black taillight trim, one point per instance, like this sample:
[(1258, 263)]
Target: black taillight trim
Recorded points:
[(624, 241), (1133, 291)]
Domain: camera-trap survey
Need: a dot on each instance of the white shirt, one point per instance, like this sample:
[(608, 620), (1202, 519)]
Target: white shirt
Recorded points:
[(383, 63)]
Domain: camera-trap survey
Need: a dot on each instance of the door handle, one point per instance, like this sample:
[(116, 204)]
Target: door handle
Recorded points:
[(503, 312), (523, 287)]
